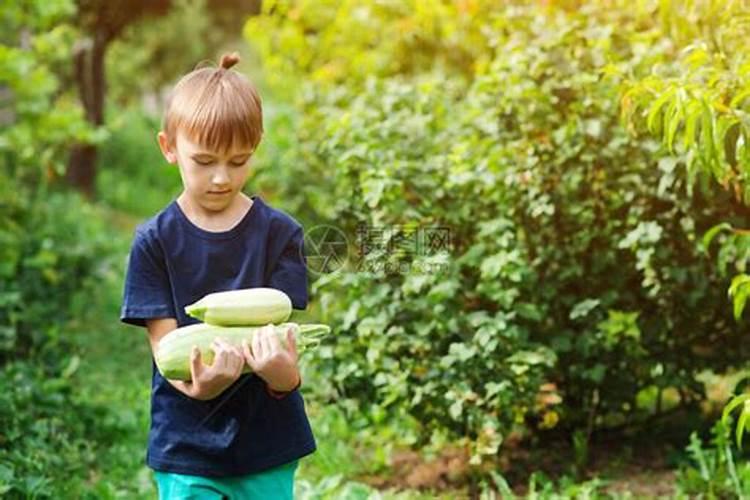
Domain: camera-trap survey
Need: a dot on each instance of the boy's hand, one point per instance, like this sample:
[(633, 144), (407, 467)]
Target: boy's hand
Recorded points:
[(270, 361), (208, 381)]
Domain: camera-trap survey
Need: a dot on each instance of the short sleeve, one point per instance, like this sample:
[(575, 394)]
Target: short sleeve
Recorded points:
[(289, 272), (147, 292)]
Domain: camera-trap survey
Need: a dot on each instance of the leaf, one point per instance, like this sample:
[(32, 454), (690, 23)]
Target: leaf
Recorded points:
[(692, 115), (739, 290), (73, 365), (492, 266), (531, 358), (373, 191), (654, 111), (711, 234), (502, 485), (462, 351), (736, 101), (583, 308), (707, 146), (673, 118), (741, 424), (597, 373), (528, 311), (456, 409), (734, 403), (593, 128)]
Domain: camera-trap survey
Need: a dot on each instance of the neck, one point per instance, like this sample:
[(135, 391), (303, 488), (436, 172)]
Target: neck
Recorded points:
[(215, 220)]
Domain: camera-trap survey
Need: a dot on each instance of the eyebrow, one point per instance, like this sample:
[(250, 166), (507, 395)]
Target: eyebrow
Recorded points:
[(204, 154)]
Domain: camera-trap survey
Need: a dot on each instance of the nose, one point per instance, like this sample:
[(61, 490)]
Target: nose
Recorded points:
[(220, 176)]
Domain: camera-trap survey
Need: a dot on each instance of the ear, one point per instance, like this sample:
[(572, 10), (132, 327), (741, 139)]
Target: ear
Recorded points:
[(166, 149)]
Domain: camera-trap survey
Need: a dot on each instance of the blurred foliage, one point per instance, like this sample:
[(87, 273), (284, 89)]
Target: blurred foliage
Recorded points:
[(133, 175), (696, 99), (37, 119), (54, 248), (51, 240), (48, 439), (345, 42), (576, 278), (714, 470), (152, 53), (579, 154)]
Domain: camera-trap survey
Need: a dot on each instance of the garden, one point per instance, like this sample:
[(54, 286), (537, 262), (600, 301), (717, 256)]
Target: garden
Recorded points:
[(527, 224)]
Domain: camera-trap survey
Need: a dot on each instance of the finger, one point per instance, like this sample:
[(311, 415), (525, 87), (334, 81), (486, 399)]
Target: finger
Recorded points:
[(228, 358), (234, 355), (239, 364), (251, 361), (220, 353), (196, 366), (257, 347), (268, 330), (237, 351), (248, 353), (222, 343), (230, 367), (266, 340), (274, 344), (228, 349), (291, 341)]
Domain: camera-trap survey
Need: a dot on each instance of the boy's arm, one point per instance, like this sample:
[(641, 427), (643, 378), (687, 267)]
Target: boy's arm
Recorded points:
[(157, 328), (289, 274), (207, 381)]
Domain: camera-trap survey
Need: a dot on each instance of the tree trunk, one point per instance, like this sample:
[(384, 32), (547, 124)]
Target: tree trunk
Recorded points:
[(88, 58)]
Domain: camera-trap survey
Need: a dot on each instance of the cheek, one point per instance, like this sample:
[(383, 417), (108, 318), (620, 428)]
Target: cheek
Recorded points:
[(192, 176), (241, 175)]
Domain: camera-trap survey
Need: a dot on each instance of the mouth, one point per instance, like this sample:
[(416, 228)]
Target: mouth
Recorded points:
[(220, 192)]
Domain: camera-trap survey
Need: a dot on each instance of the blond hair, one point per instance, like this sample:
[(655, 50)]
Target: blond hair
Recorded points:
[(216, 107)]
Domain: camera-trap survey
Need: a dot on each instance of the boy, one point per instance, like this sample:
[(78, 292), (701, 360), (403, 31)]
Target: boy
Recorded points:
[(224, 434)]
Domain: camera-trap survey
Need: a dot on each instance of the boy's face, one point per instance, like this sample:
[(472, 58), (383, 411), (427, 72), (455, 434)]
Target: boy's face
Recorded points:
[(212, 179)]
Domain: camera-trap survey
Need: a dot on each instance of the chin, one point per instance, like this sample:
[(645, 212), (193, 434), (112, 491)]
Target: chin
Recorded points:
[(216, 205)]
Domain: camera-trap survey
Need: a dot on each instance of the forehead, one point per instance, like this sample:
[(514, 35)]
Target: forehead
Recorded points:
[(191, 145)]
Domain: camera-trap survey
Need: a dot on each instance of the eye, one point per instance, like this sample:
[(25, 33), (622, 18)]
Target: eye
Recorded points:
[(240, 163), (203, 162)]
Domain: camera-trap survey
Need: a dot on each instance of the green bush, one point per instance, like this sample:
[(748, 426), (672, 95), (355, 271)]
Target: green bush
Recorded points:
[(48, 439), (714, 471), (696, 103), (334, 42), (401, 342), (53, 244), (55, 250), (40, 118), (576, 280), (133, 175)]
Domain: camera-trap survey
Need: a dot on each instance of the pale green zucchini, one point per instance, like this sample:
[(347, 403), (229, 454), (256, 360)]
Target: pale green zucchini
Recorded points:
[(245, 307), (173, 352)]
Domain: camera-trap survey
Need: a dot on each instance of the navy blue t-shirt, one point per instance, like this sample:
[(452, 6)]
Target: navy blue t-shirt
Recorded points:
[(174, 263)]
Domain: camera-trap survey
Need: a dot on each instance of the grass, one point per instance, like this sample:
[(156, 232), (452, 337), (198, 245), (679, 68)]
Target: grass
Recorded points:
[(115, 372)]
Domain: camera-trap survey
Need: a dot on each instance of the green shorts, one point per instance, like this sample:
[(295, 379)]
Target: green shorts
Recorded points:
[(276, 483)]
